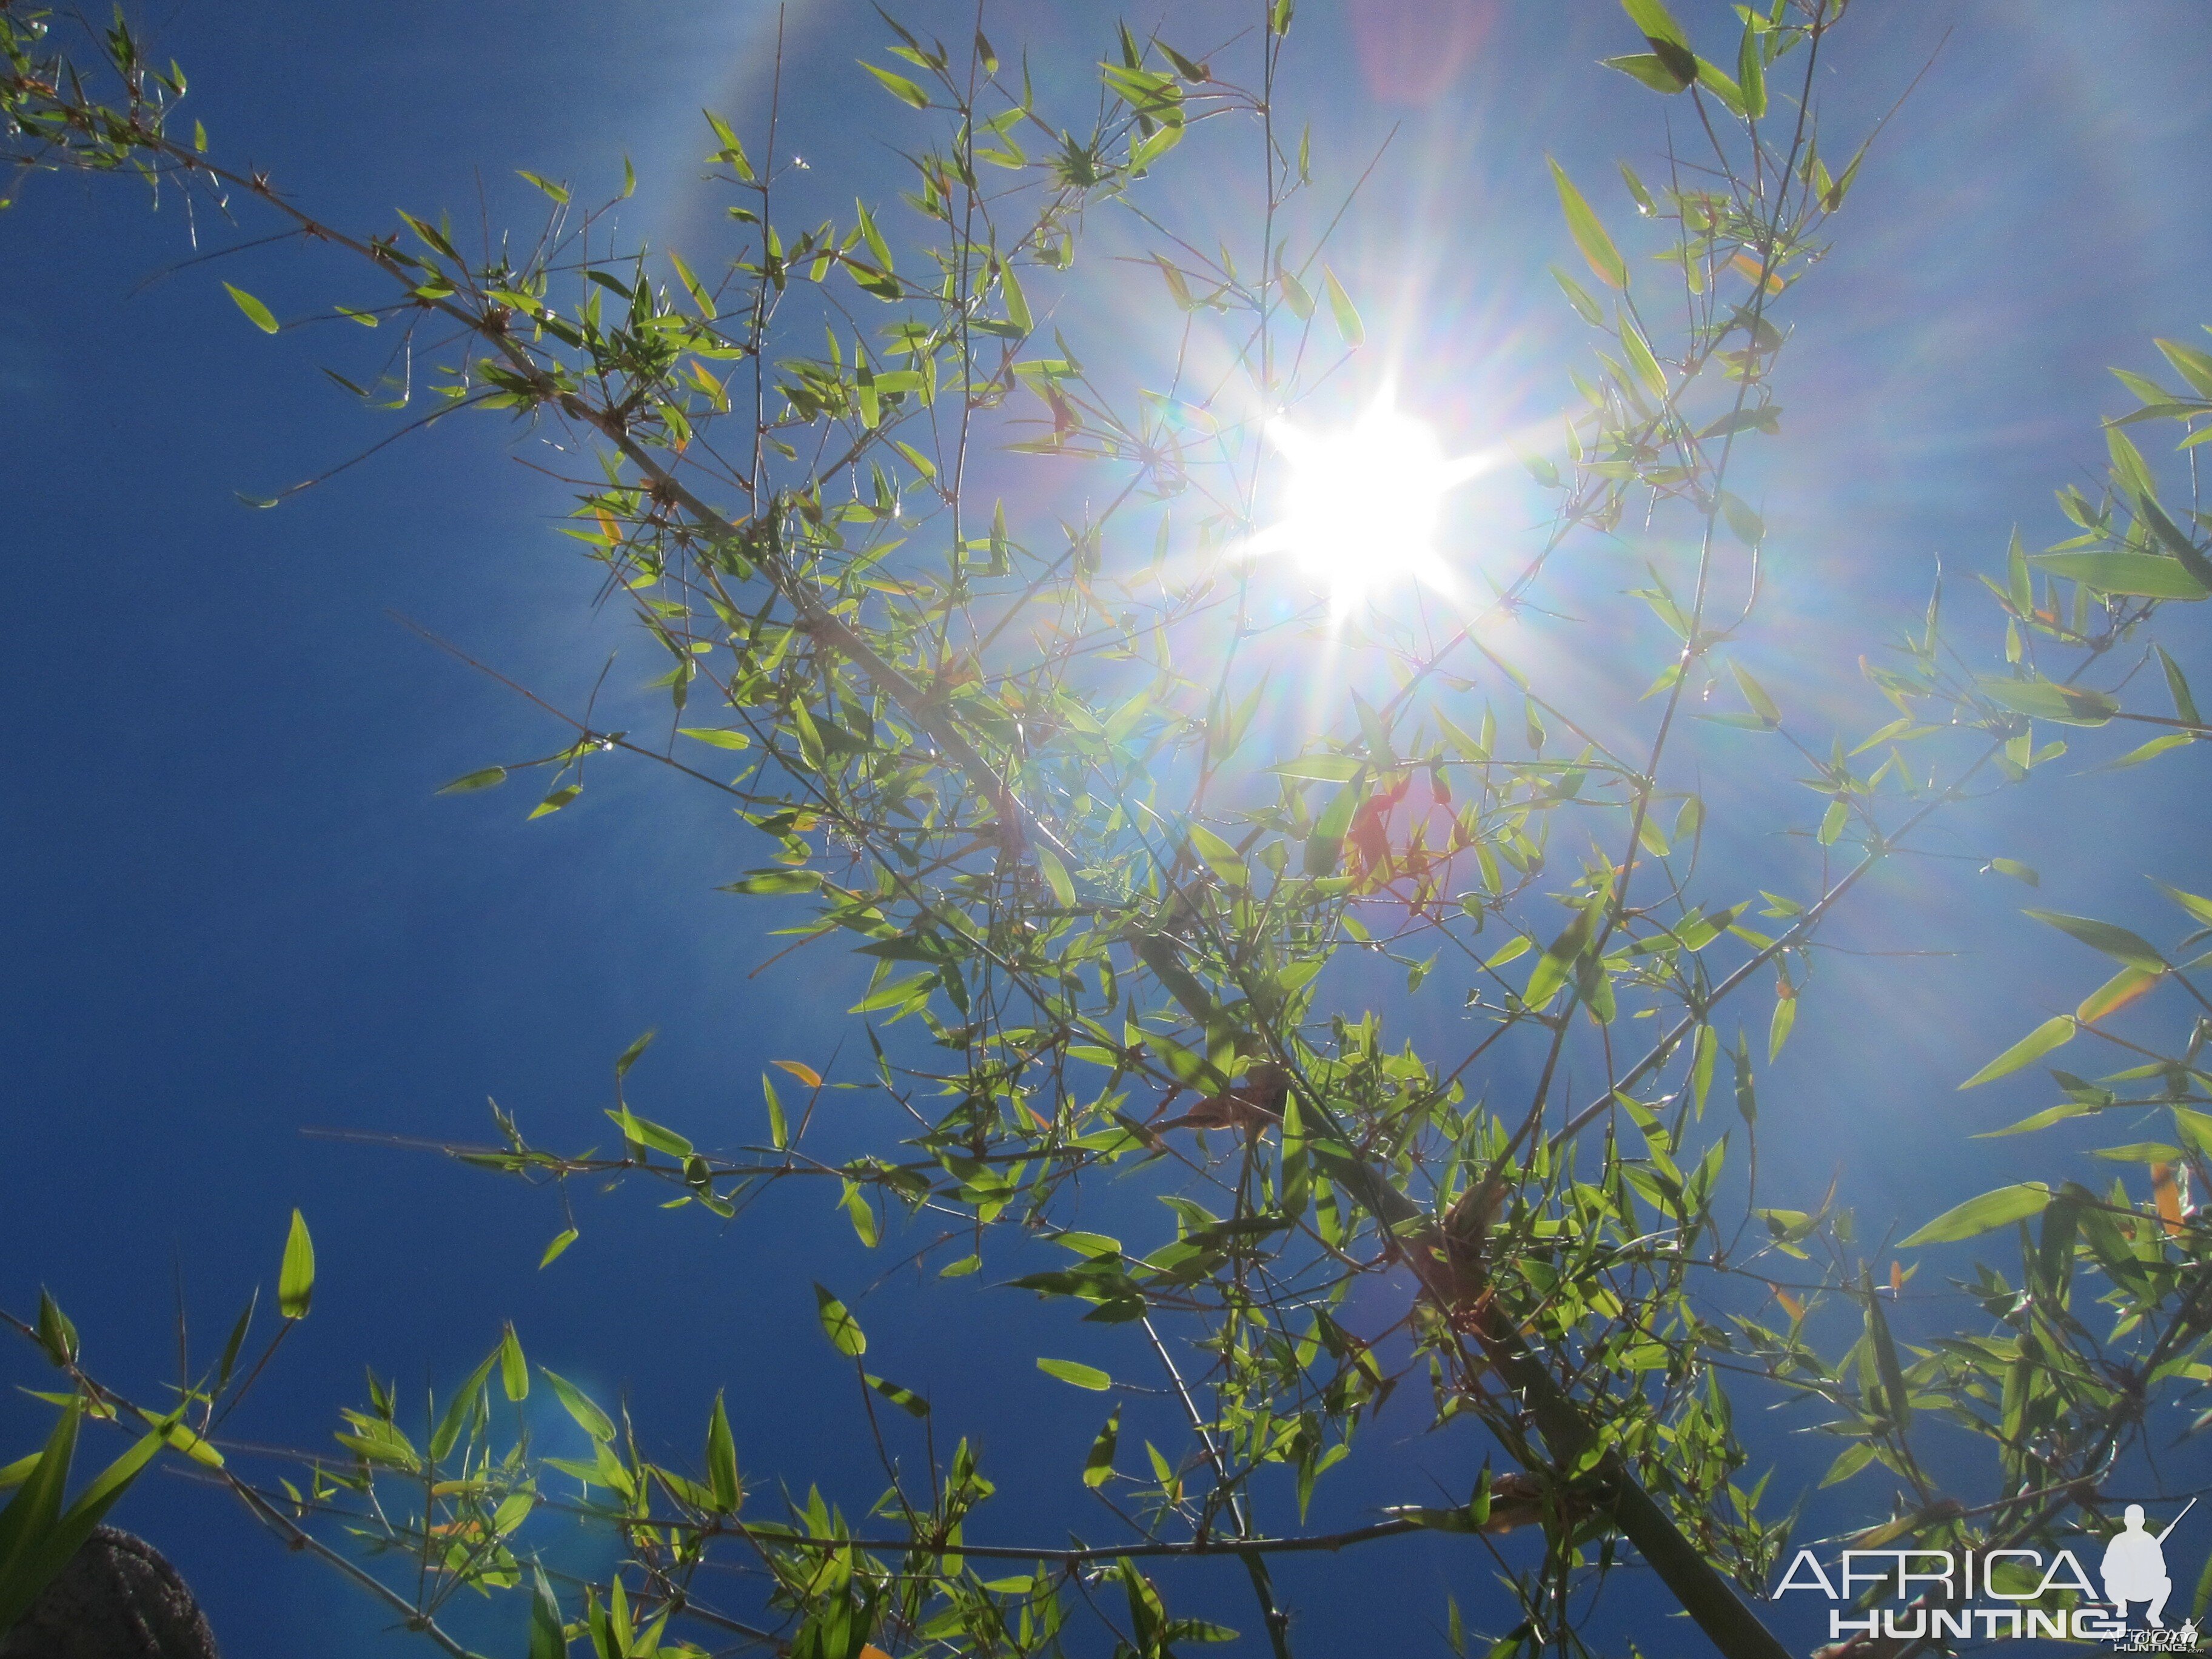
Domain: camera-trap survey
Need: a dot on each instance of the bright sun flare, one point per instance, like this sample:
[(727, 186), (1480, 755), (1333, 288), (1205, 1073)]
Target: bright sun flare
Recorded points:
[(1362, 505)]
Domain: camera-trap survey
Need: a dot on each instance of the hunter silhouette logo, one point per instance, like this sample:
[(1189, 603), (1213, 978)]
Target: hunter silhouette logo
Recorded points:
[(2134, 1568), (2003, 1594)]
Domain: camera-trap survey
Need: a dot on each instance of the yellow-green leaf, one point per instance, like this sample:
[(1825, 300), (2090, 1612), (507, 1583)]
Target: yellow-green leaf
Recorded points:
[(1075, 1372), (1589, 233), (838, 1324), (1990, 1211), (513, 1372), (1340, 307), (900, 87), (295, 1280), (722, 1460), (256, 313), (2115, 942), (2041, 1040)]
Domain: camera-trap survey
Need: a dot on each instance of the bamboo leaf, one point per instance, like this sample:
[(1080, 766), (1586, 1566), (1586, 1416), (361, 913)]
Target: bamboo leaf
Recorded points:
[(1076, 1373), (2143, 575), (899, 86), (1992, 1210), (722, 1460), (581, 1406), (256, 313), (1098, 1467), (295, 1279), (838, 1324), (2115, 942), (1348, 324), (2030, 1048), (1589, 233)]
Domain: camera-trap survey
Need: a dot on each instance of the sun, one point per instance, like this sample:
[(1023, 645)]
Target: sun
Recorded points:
[(1362, 505)]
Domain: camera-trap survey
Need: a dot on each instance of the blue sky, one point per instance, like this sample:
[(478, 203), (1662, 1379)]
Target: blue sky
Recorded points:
[(234, 907)]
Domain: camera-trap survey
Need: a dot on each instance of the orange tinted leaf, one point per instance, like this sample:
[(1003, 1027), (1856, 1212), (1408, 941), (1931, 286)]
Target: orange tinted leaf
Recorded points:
[(1790, 1304), (2128, 986), (1752, 272), (2165, 1191), (800, 1070)]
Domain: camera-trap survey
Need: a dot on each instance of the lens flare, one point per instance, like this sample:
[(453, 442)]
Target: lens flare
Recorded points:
[(1361, 506)]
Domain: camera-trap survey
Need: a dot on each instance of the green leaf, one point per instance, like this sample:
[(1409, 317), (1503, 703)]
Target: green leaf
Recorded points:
[(629, 1057), (2017, 871), (905, 1398), (548, 1637), (2128, 469), (1589, 233), (468, 782), (1854, 1459), (1655, 22), (1322, 768), (2141, 1151), (2115, 942), (1057, 877), (513, 1372), (2141, 575), (900, 87), (1074, 1372), (448, 1431), (2051, 1034), (1578, 297), (838, 1324), (1985, 1214), (1653, 70), (561, 1241), (256, 313), (1751, 72), (559, 798), (295, 1279), (2047, 699), (2190, 556), (57, 1336), (776, 881), (1638, 350), (732, 151), (1710, 78), (1220, 857), (580, 1406), (1746, 526), (36, 1554), (1342, 309), (862, 1215), (720, 737), (2184, 705), (1018, 305), (1778, 1033), (779, 1133), (28, 1520), (722, 1460), (2199, 908), (700, 299), (228, 1363), (1895, 1396), (1098, 1467), (1560, 958), (1769, 715)]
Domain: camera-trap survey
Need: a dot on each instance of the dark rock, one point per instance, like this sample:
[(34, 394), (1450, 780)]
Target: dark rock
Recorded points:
[(116, 1598)]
